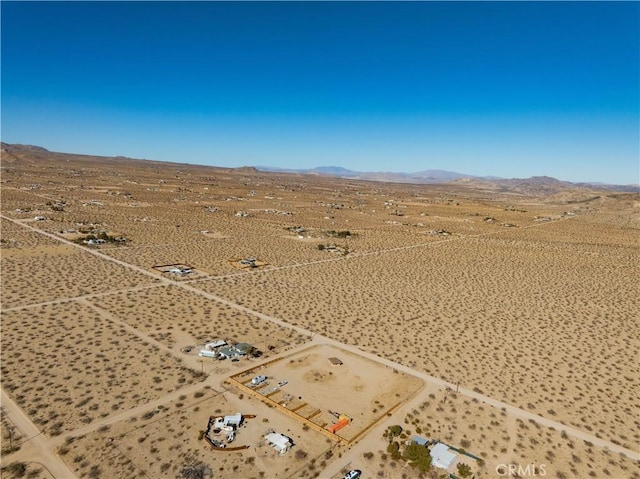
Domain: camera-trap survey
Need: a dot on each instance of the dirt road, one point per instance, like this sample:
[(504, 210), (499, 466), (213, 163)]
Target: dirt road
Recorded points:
[(43, 445), (36, 447)]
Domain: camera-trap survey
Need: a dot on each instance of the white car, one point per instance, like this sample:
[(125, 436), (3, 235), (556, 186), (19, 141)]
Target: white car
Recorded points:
[(354, 474)]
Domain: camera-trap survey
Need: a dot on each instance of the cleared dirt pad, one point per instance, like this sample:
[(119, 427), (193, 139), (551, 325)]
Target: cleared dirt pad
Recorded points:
[(359, 388)]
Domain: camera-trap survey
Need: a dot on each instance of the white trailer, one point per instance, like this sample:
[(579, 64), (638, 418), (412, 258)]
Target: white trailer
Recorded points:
[(207, 354)]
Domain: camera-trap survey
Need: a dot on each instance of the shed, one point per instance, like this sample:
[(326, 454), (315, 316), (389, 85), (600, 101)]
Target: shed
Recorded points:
[(441, 456), (420, 440), (279, 442), (335, 362)]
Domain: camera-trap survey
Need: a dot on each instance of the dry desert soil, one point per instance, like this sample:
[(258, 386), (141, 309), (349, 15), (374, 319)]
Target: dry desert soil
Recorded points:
[(501, 321)]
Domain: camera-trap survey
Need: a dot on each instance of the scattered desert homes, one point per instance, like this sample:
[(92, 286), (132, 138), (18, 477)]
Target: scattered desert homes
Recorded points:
[(279, 442)]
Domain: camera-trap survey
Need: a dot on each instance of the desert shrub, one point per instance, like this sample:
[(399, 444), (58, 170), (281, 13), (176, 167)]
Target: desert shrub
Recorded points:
[(148, 415), (16, 469), (195, 470), (418, 456), (94, 472), (301, 454), (463, 470), (393, 447)]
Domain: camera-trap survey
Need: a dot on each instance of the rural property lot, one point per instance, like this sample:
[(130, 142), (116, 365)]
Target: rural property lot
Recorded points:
[(67, 366), (359, 388)]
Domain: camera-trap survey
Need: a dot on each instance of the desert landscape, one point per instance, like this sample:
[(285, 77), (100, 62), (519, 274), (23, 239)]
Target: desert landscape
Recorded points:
[(498, 319)]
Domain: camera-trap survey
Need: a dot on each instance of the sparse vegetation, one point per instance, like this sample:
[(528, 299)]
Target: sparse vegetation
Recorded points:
[(111, 326)]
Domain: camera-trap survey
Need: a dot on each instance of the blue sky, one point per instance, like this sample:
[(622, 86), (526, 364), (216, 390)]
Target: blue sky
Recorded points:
[(511, 89)]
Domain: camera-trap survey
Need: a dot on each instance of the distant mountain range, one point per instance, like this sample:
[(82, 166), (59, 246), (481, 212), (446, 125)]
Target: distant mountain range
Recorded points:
[(535, 184)]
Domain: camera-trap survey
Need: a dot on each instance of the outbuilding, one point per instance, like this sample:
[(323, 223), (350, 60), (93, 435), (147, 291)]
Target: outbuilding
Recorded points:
[(215, 344), (279, 442), (243, 348), (335, 362), (205, 353), (421, 441)]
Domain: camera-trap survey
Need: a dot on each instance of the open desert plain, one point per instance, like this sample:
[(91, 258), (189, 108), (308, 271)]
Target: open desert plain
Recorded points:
[(362, 323)]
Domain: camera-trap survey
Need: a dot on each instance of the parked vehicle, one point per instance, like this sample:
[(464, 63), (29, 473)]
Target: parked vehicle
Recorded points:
[(353, 474)]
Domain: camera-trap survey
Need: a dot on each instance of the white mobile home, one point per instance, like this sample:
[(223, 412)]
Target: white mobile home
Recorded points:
[(207, 354)]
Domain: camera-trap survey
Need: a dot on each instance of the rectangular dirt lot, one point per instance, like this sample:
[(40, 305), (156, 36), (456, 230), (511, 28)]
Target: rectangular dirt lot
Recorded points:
[(359, 388)]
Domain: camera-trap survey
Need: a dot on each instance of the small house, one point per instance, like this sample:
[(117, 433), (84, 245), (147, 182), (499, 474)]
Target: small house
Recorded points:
[(441, 456), (335, 362), (279, 442), (229, 422), (227, 352)]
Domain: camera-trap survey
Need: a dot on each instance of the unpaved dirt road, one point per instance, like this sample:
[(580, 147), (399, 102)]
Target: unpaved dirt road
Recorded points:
[(42, 446)]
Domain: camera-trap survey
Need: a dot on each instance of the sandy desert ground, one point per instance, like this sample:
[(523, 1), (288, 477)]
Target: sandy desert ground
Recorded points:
[(526, 298), (499, 440)]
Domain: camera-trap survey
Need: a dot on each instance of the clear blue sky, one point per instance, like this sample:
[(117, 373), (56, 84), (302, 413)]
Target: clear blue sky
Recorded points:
[(505, 89)]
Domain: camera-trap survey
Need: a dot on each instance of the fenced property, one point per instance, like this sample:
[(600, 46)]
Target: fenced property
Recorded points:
[(341, 404)]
